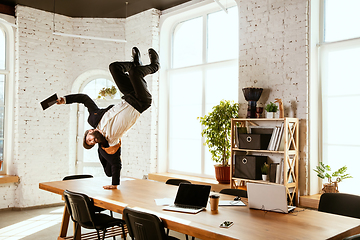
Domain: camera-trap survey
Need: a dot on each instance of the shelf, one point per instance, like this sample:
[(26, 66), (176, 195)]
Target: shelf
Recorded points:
[(259, 151), (290, 154)]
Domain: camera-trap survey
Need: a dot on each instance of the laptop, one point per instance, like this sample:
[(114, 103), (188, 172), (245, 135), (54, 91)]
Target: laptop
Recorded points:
[(190, 198), (268, 197)]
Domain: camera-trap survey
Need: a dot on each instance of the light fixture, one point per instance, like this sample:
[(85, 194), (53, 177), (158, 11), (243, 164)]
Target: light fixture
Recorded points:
[(84, 36)]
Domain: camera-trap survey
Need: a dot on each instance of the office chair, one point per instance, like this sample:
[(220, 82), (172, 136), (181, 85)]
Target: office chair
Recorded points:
[(79, 176), (340, 203), (176, 181), (234, 192), (144, 226), (81, 210)]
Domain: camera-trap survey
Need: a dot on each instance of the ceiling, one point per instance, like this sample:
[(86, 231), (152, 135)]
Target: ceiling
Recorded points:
[(96, 8)]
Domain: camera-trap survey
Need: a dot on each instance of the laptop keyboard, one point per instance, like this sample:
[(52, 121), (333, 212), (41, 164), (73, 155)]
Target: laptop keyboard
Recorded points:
[(186, 206)]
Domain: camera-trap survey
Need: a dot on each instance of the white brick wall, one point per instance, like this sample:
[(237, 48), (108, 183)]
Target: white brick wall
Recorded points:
[(273, 56), (47, 64)]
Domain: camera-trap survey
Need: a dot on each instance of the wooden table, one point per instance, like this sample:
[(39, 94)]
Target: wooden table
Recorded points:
[(248, 223)]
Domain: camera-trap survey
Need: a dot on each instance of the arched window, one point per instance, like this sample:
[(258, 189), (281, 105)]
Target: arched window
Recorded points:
[(202, 70), (88, 160)]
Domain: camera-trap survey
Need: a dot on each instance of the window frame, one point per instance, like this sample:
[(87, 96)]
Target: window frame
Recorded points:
[(169, 23), (9, 93), (317, 50)]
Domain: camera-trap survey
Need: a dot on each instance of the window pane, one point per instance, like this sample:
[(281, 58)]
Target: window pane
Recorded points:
[(2, 49), (2, 89), (187, 43), (184, 127), (342, 72), (223, 40), (337, 157), (92, 88), (217, 84), (340, 97), (2, 117), (217, 88), (341, 19)]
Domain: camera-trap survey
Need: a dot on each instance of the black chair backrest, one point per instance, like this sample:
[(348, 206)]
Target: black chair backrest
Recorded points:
[(143, 226), (80, 208), (71, 177), (340, 203), (176, 181), (234, 192)]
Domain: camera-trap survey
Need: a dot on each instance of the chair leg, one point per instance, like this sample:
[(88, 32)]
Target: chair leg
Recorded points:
[(98, 234), (76, 229), (104, 231), (123, 230)]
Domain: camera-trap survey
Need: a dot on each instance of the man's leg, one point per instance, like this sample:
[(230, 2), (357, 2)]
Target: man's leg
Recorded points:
[(119, 72), (137, 74)]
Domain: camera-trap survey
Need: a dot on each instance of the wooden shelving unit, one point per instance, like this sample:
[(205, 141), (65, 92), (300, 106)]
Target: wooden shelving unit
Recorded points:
[(290, 153)]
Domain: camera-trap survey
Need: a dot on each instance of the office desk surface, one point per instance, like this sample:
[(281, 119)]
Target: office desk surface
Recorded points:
[(248, 223)]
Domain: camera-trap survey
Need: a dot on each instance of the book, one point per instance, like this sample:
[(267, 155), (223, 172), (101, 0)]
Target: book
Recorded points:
[(48, 102), (278, 175), (272, 138), (279, 137), (272, 172)]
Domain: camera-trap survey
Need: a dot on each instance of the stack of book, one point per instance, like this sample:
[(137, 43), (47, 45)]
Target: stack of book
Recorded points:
[(277, 139)]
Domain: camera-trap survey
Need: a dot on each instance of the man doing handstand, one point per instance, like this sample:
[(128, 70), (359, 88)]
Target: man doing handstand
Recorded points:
[(110, 124)]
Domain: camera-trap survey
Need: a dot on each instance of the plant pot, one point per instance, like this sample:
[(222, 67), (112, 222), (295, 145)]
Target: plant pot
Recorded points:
[(222, 174), (330, 187), (264, 177), (270, 114)]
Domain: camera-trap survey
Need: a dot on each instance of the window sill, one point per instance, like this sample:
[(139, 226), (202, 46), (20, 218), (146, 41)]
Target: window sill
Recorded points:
[(311, 201), (8, 179), (162, 177)]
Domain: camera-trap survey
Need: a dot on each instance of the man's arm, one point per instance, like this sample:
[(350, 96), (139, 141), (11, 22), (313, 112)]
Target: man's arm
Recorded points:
[(112, 167), (79, 98), (112, 149)]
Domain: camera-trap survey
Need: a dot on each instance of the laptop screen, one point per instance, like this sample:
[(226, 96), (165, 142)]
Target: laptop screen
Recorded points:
[(193, 194)]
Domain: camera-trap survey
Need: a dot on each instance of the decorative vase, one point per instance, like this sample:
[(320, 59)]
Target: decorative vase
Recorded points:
[(264, 177), (330, 187), (270, 114), (222, 174)]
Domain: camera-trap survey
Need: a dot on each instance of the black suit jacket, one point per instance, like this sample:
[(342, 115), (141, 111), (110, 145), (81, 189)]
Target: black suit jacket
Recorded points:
[(110, 162)]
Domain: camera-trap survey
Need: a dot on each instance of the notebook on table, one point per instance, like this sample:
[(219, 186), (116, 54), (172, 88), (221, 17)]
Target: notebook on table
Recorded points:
[(190, 198), (268, 197)]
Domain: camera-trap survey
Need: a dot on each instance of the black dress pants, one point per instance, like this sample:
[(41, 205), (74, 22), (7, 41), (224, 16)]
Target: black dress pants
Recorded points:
[(130, 81)]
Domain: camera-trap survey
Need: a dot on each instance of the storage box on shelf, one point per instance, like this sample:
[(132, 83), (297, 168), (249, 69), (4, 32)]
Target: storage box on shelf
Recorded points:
[(285, 151)]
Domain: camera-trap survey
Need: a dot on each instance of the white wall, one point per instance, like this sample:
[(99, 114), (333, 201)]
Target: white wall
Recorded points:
[(273, 55), (48, 64)]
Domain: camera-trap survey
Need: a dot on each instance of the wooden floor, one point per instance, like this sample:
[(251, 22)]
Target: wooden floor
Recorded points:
[(40, 224)]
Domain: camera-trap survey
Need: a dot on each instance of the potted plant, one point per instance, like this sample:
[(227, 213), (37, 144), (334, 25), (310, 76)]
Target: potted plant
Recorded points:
[(324, 171), (217, 128), (105, 93), (264, 171), (271, 108)]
